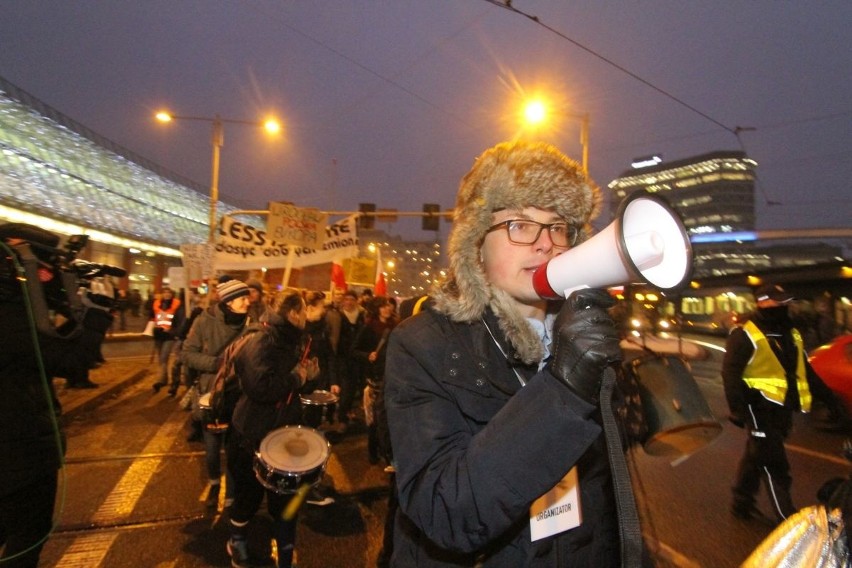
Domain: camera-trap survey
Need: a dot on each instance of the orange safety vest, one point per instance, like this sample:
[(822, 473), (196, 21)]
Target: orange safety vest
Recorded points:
[(765, 373), (163, 318)]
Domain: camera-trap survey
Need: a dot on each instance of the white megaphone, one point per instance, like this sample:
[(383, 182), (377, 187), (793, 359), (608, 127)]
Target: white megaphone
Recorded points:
[(646, 242)]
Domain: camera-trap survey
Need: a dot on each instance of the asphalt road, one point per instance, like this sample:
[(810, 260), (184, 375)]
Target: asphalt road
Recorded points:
[(132, 492)]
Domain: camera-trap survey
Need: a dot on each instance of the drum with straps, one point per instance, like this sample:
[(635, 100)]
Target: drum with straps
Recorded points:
[(291, 457), (678, 417), (205, 412), (316, 407)]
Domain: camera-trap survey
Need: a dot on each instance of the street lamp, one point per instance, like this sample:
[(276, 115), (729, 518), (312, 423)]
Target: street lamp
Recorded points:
[(218, 138), (536, 112)]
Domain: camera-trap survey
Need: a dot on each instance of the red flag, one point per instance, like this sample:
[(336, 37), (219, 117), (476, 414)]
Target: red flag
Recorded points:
[(338, 278), (381, 288)]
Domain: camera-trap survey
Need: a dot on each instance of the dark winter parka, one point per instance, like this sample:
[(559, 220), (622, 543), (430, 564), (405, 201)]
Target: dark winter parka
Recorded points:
[(486, 449), (29, 410), (265, 366), (207, 339)]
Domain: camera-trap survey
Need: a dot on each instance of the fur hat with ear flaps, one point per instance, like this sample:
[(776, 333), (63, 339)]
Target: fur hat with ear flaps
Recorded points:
[(511, 175)]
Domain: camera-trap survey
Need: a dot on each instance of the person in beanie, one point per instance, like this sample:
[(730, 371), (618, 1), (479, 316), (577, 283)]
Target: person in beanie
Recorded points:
[(492, 392), (212, 332), (767, 378)]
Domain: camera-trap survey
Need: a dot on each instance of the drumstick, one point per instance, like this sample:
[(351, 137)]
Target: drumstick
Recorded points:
[(293, 506), (307, 351)]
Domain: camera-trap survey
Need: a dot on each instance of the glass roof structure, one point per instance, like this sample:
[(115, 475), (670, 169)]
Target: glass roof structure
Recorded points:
[(53, 167)]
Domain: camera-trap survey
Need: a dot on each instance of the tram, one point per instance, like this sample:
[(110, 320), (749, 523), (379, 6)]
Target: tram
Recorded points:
[(716, 305), (706, 310)]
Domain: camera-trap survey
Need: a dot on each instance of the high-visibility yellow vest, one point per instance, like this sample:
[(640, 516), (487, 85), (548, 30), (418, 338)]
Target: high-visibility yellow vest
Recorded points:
[(765, 373)]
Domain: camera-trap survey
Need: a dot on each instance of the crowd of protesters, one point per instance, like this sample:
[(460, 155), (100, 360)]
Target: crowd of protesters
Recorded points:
[(336, 344)]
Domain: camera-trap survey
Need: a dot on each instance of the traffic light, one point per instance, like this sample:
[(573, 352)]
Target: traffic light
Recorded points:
[(367, 221), (431, 221)]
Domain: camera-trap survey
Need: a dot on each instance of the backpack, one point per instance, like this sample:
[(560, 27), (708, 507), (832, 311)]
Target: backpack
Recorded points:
[(225, 388)]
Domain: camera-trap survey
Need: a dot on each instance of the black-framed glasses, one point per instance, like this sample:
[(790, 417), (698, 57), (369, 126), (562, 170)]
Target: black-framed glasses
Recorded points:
[(527, 232)]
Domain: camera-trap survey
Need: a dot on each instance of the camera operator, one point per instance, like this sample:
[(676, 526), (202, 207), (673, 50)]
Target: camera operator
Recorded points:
[(97, 297), (47, 330)]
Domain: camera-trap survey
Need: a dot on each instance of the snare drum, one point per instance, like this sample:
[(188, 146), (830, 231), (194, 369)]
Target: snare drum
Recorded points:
[(319, 398), (209, 424), (290, 457), (315, 407)]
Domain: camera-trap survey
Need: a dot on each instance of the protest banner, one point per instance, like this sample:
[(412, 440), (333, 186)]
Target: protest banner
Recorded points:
[(298, 226), (177, 277), (360, 271), (198, 262), (242, 246)]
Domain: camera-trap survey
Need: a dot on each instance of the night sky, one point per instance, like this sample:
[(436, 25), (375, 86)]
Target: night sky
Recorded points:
[(390, 101)]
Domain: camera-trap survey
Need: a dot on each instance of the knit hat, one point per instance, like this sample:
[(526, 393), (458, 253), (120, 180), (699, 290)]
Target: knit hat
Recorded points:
[(231, 290), (511, 175)]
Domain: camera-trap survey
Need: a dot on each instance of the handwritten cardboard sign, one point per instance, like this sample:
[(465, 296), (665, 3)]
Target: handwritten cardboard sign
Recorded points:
[(301, 226)]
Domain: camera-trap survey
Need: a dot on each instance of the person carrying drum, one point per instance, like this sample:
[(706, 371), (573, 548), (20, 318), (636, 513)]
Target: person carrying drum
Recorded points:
[(492, 392), (320, 394), (212, 331), (272, 367), (767, 377)]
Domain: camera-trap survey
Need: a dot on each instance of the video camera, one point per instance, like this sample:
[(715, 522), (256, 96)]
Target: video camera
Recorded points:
[(60, 288)]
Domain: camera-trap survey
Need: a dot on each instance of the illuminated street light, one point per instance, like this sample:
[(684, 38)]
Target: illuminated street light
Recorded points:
[(217, 140), (536, 111)]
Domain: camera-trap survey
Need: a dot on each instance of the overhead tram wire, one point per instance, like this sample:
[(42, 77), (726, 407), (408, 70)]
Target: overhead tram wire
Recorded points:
[(508, 6), (367, 69), (736, 130)]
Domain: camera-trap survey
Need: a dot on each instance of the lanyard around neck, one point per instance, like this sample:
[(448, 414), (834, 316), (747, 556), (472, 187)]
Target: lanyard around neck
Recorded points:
[(500, 347)]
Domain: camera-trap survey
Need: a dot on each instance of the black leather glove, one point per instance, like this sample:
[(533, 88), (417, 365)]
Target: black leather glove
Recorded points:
[(586, 342)]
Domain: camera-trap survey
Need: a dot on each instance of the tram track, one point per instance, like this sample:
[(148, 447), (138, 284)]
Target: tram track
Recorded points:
[(130, 457), (75, 529)]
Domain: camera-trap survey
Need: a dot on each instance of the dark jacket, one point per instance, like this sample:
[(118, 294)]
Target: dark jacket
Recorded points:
[(264, 366), (348, 332), (321, 349), (473, 450), (369, 338), (29, 409)]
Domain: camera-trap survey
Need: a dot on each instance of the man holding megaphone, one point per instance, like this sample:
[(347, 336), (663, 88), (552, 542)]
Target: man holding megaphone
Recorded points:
[(493, 393)]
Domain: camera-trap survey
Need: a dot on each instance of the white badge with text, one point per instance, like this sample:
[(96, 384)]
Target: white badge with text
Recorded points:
[(558, 510)]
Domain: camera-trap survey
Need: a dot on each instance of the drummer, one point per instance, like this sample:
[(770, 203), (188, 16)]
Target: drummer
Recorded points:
[(272, 367), (321, 393)]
